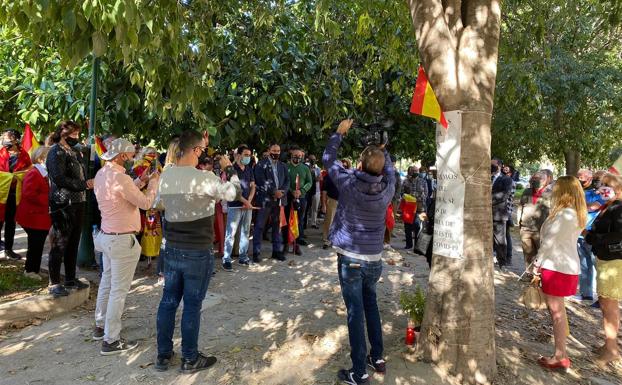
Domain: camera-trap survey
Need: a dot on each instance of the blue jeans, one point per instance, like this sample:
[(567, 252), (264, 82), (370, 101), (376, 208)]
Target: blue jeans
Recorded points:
[(358, 287), (237, 218), (186, 275), (587, 281), (272, 210)]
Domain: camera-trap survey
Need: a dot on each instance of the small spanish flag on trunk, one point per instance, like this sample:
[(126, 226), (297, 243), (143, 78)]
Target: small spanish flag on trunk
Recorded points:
[(424, 101)]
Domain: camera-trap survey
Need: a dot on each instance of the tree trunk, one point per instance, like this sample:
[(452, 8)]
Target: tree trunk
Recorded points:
[(573, 161), (458, 42)]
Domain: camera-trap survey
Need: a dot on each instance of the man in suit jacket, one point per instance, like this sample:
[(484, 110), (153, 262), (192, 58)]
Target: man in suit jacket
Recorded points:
[(272, 183), (501, 189)]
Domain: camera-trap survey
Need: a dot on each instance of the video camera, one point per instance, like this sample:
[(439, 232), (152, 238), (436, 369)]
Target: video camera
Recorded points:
[(374, 134)]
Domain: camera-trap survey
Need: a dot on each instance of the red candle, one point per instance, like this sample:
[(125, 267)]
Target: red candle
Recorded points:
[(410, 336)]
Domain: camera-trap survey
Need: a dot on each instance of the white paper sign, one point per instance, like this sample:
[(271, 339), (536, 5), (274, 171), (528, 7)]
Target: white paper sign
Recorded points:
[(449, 213)]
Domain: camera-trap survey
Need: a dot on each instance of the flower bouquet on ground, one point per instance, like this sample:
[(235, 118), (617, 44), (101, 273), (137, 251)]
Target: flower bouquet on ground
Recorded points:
[(413, 304)]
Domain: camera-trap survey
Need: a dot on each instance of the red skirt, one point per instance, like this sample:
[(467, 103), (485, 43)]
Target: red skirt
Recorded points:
[(558, 284)]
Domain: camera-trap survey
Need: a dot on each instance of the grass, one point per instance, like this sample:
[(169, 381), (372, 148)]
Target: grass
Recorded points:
[(12, 279)]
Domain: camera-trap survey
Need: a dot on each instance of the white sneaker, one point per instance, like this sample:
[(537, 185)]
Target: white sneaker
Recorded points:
[(32, 275)]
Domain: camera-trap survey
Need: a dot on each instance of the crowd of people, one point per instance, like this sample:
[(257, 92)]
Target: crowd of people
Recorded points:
[(190, 205)]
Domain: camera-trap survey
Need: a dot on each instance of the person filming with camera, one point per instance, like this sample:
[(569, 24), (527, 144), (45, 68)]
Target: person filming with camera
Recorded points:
[(357, 235)]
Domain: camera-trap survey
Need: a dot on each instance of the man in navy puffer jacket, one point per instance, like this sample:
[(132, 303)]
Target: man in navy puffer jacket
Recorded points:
[(357, 234)]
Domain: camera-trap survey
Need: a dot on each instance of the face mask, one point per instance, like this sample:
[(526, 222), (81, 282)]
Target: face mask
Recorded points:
[(494, 169), (246, 160), (203, 157), (71, 141), (596, 183), (296, 159), (128, 163), (535, 184), (312, 163), (7, 144), (606, 193), (422, 174), (275, 156)]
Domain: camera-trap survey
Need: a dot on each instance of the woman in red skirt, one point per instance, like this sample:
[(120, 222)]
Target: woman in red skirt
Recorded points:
[(558, 260)]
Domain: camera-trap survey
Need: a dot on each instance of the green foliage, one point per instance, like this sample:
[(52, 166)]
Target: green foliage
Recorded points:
[(246, 71), (413, 304), (559, 83)]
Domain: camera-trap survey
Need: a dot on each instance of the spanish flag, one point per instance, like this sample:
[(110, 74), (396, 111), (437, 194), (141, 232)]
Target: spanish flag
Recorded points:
[(617, 167), (292, 231), (99, 150), (424, 101), (29, 142)]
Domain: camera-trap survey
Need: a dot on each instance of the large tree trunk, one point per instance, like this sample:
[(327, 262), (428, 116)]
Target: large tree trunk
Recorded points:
[(573, 161), (458, 43)]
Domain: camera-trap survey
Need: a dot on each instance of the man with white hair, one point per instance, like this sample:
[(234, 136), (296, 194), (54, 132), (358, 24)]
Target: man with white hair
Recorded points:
[(119, 199)]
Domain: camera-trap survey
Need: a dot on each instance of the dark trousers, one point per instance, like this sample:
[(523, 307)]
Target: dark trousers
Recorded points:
[(65, 238), (508, 237), (36, 242), (499, 241), (358, 280), (412, 231), (273, 211), (186, 276), (9, 220), (301, 210)]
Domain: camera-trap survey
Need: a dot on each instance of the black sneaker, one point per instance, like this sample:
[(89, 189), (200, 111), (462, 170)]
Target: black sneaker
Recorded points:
[(117, 347), (348, 377), (245, 262), (201, 362), (98, 333), (279, 256), (76, 285), (297, 250), (58, 291), (11, 254), (162, 363), (256, 258), (226, 266), (378, 365)]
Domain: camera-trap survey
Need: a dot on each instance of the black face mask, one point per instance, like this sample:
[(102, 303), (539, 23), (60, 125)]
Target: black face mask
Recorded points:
[(7, 144), (275, 156), (596, 183), (295, 160), (71, 141), (203, 157), (535, 184)]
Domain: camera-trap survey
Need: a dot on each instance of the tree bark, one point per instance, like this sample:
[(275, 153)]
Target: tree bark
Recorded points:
[(573, 161), (458, 43)]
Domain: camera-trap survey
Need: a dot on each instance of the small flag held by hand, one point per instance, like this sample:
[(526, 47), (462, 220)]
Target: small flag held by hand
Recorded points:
[(29, 142), (424, 100)]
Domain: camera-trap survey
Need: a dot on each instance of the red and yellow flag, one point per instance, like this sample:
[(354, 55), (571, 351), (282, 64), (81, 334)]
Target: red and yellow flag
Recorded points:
[(424, 101), (292, 231), (29, 142)]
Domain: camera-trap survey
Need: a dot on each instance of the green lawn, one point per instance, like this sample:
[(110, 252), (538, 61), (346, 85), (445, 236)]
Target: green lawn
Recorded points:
[(12, 279)]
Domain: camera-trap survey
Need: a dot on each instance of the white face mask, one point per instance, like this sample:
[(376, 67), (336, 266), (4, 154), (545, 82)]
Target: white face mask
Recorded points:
[(606, 193)]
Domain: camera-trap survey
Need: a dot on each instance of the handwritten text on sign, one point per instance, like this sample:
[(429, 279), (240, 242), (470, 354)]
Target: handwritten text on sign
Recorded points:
[(449, 214)]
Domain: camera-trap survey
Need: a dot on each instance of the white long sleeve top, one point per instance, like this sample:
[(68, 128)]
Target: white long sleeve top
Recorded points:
[(558, 243)]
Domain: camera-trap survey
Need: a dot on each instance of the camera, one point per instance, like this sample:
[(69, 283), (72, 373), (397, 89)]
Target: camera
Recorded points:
[(374, 134)]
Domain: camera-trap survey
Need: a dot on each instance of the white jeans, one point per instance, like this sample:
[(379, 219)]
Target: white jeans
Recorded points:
[(120, 257)]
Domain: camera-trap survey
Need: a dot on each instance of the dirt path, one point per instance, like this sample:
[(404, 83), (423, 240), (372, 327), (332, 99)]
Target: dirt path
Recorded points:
[(284, 323)]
